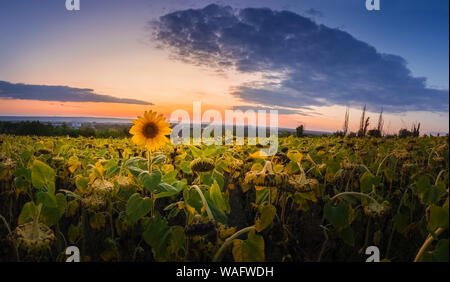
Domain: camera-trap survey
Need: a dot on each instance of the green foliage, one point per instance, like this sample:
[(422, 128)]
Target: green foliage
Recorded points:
[(42, 176), (106, 194), (267, 214), (137, 207), (337, 215), (249, 250)]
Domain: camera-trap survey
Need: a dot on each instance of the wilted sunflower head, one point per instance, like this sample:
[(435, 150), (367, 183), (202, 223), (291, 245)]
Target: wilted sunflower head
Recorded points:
[(150, 130)]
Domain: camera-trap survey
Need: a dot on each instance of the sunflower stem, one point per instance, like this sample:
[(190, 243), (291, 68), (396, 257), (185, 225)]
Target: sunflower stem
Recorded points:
[(230, 239), (149, 159), (150, 168), (427, 243), (355, 194), (205, 203)]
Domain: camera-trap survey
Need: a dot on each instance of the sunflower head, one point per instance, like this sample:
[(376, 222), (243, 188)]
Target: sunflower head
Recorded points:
[(202, 165), (150, 130), (33, 239)]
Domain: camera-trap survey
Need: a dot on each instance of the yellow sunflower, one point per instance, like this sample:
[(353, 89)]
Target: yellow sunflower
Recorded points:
[(150, 130)]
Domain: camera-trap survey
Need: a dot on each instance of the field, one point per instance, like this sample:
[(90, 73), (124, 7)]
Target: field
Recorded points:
[(319, 199)]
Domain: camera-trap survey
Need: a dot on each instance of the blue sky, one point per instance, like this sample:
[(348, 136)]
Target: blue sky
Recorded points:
[(45, 45), (415, 29)]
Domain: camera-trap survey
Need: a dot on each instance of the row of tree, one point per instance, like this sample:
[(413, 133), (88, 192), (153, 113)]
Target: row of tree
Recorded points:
[(47, 129)]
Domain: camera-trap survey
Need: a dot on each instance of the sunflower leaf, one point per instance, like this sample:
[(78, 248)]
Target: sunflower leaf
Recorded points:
[(150, 181)]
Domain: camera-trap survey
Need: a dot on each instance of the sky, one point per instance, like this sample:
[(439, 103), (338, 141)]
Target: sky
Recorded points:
[(309, 59)]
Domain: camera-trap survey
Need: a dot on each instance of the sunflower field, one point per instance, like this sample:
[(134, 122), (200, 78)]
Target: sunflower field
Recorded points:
[(318, 199)]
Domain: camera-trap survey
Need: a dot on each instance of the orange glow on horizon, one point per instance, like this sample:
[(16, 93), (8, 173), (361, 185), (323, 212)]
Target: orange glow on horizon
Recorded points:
[(328, 119), (113, 110)]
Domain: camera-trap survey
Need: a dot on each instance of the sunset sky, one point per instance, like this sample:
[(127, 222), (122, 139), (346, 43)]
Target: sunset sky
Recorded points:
[(309, 59)]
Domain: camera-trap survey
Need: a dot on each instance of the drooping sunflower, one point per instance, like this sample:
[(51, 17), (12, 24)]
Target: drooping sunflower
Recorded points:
[(150, 130)]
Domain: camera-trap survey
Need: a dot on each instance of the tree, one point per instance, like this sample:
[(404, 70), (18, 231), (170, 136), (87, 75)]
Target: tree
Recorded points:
[(414, 132), (403, 133), (299, 131), (374, 133)]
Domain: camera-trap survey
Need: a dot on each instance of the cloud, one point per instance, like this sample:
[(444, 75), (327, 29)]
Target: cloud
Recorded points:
[(59, 93), (319, 66), (313, 12), (281, 111)]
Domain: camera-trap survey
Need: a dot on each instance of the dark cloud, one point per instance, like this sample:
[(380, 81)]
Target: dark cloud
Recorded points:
[(281, 111), (317, 65), (58, 93), (313, 12)]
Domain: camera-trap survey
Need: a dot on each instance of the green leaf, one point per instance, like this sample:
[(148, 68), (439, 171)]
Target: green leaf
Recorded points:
[(401, 221), (216, 197), (440, 252), (42, 176), (46, 199), (28, 213), (167, 190), (111, 168), (23, 172), (159, 159), (150, 181), (209, 151), (422, 184), (136, 171), (82, 183), (136, 165), (250, 250), (348, 236), (292, 167), (368, 182), (267, 214), (186, 167), (207, 178), (196, 152), (61, 201), (262, 196), (170, 177), (218, 215), (157, 235), (74, 233), (218, 177), (51, 215), (336, 215), (294, 156), (192, 198), (351, 199), (333, 166), (439, 217), (137, 207), (311, 196), (177, 240), (432, 194)]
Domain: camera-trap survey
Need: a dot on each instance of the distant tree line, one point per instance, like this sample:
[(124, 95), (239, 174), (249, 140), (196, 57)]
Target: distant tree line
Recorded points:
[(47, 129), (364, 130)]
